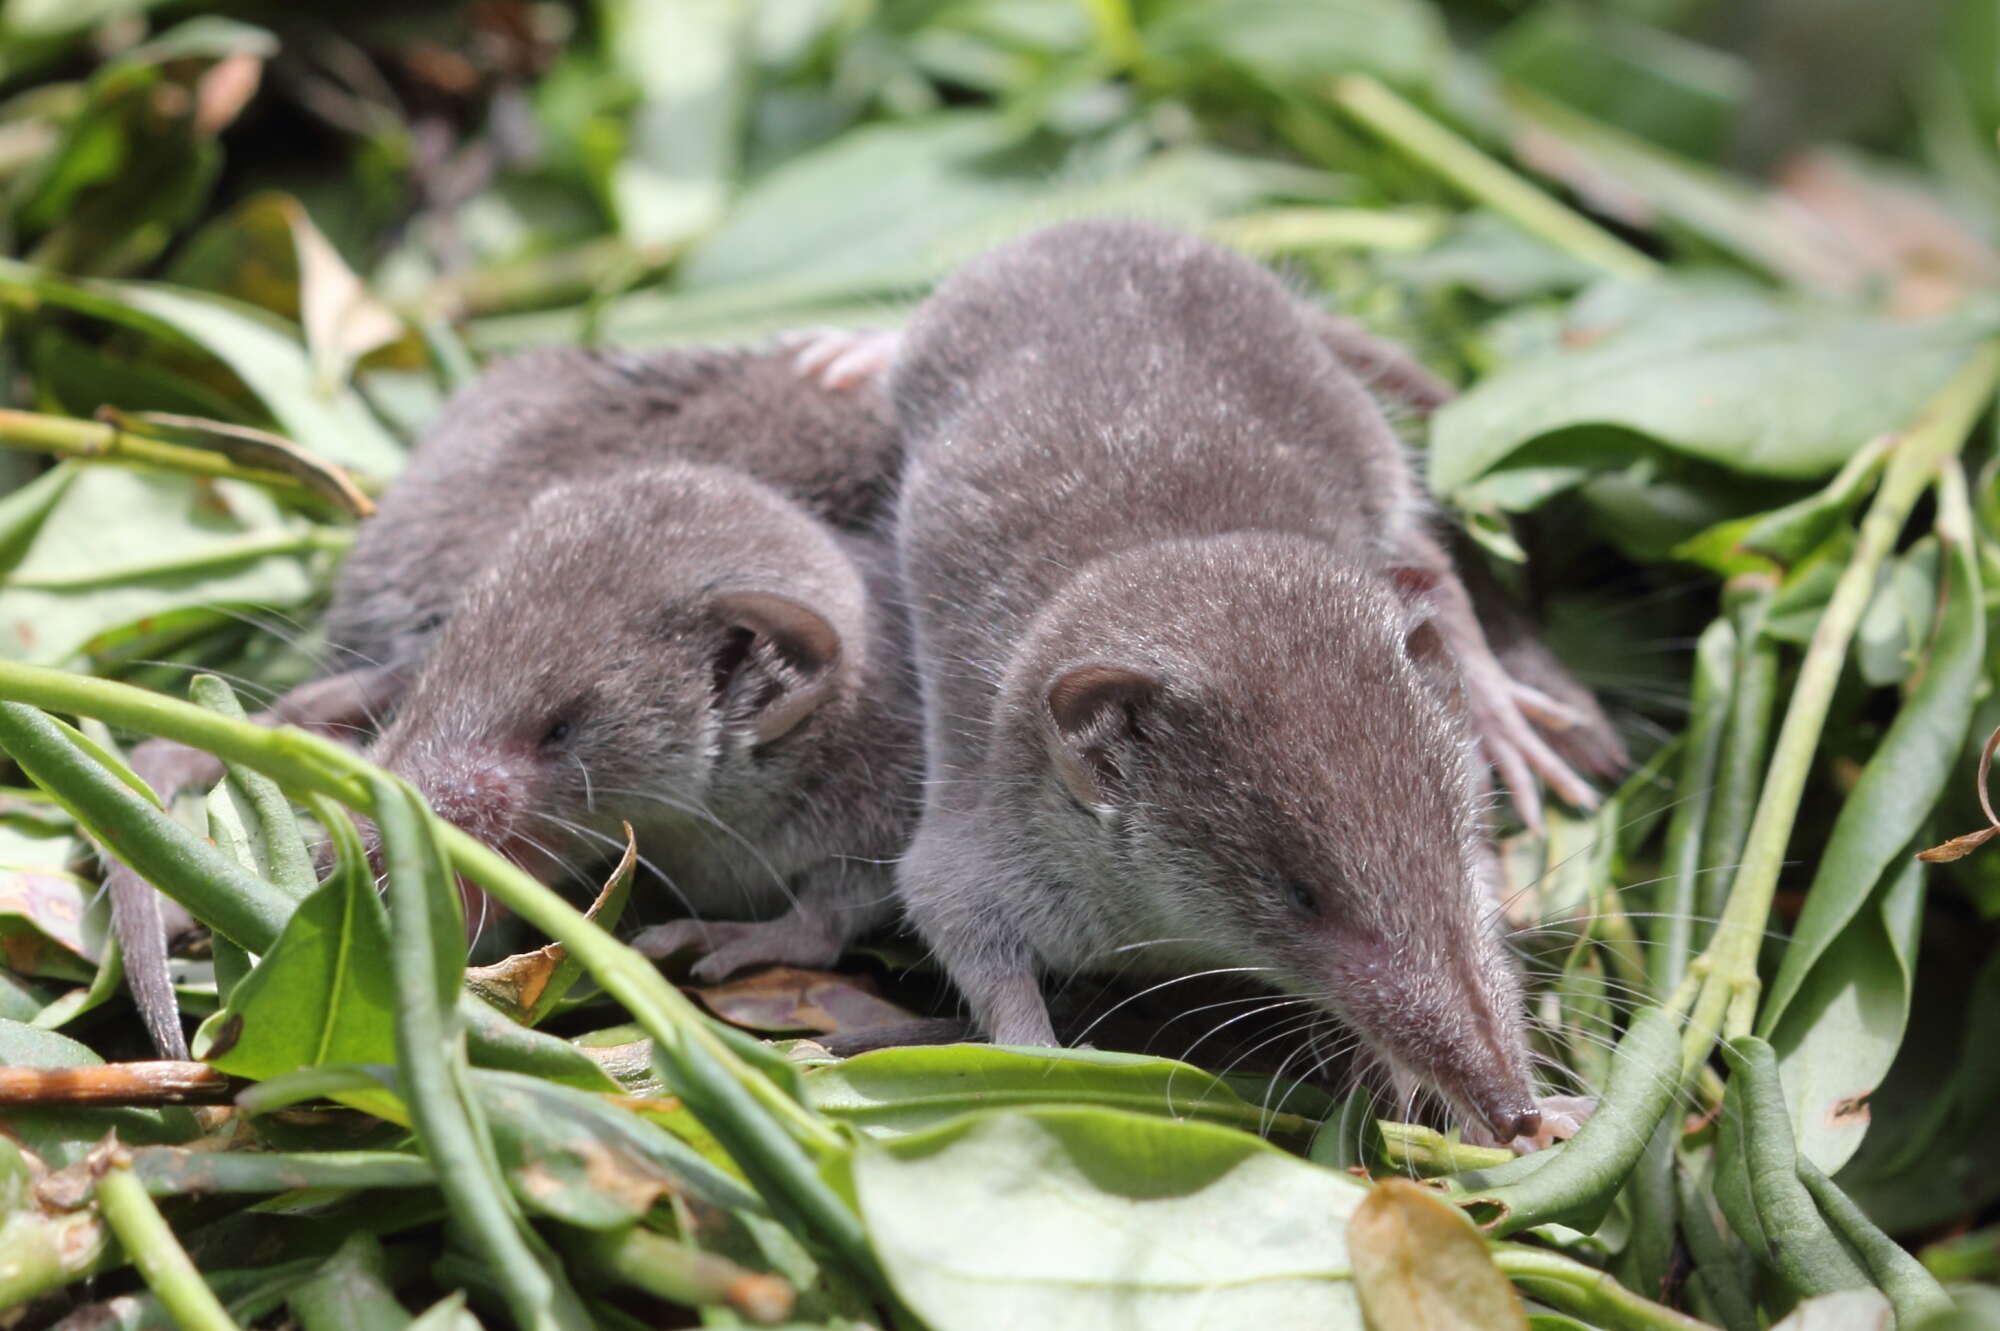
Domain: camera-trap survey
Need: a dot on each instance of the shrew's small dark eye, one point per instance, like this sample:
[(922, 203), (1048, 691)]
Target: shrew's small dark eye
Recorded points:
[(559, 732), (430, 623), (1301, 898)]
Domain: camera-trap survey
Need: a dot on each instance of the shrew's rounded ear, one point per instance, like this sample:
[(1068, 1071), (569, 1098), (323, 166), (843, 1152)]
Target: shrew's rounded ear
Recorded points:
[(780, 661), (1418, 590), (1095, 714)]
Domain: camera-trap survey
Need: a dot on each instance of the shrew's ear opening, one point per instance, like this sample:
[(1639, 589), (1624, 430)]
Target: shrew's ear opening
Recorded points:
[(779, 661), (1096, 729), (1417, 589)]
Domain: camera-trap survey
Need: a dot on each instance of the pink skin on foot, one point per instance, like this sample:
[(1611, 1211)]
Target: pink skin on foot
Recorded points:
[(840, 358)]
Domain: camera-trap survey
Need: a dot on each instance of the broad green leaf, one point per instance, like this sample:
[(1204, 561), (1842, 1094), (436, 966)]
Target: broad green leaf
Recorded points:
[(45, 925), (263, 351), (1277, 42), (123, 556), (1897, 622), (321, 995), (1673, 92), (582, 1160), (948, 187), (25, 1046), (895, 1091), (807, 220), (1420, 1266), (1732, 378), (324, 417), (1089, 1219)]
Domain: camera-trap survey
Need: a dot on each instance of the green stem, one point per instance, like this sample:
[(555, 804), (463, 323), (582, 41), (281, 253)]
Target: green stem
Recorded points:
[(573, 274), (1429, 1151), (1672, 925), (1612, 927), (681, 1274), (170, 1171), (1275, 232), (1727, 968), (1586, 1292), (139, 833), (40, 1252), (712, 1072), (95, 441), (221, 555), (1746, 740), (1117, 34), (143, 1232), (1486, 181), (428, 958)]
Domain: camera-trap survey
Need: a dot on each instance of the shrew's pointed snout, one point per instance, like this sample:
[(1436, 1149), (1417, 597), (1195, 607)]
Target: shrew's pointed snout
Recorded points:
[(1516, 1123)]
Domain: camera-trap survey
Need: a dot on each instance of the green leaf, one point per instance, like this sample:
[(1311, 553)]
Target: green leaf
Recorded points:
[(582, 1160), (1666, 89), (1273, 41), (1722, 374), (25, 1046), (1419, 1264), (128, 557), (1912, 1290), (171, 1171), (686, 132), (953, 185), (1757, 1180), (264, 352), (428, 964), (1574, 1183), (1836, 1008), (277, 844), (1898, 621), (184, 866), (893, 1091), (45, 929), (321, 995), (495, 1040), (351, 1292), (1091, 1218)]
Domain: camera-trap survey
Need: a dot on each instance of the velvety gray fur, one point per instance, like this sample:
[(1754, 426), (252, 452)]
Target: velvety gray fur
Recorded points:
[(532, 422), (1185, 701), (602, 669), (543, 418)]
